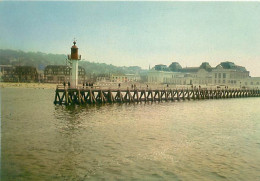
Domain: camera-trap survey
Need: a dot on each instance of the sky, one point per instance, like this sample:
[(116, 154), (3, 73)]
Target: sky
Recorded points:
[(137, 33)]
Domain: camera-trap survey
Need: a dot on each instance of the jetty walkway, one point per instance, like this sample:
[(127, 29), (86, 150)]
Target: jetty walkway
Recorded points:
[(94, 95)]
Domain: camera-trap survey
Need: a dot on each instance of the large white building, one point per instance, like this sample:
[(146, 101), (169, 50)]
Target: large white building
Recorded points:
[(226, 73), (125, 78)]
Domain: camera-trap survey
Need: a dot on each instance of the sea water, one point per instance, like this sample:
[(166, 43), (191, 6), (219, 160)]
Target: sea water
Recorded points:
[(186, 140)]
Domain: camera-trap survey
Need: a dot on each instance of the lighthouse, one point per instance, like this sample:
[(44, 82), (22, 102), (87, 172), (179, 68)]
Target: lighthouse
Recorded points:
[(74, 58)]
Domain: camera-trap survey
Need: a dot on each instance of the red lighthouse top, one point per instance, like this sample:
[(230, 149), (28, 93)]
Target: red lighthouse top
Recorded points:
[(74, 52), (74, 46)]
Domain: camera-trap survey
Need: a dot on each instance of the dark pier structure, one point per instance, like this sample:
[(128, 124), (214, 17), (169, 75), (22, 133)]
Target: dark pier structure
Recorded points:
[(95, 95)]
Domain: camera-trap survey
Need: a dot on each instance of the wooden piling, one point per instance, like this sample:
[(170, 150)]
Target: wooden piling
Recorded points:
[(92, 96)]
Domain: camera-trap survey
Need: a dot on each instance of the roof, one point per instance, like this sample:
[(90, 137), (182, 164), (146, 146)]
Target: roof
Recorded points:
[(231, 65), (206, 66), (60, 66), (175, 67), (190, 69), (25, 67), (160, 65), (240, 68), (56, 66)]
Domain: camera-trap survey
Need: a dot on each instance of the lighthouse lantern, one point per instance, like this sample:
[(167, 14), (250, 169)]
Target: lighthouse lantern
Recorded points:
[(74, 57)]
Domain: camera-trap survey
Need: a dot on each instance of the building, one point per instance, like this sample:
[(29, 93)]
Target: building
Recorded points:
[(250, 82), (102, 79), (125, 78), (226, 73), (19, 73), (175, 67), (182, 76), (4, 71), (61, 73), (161, 67)]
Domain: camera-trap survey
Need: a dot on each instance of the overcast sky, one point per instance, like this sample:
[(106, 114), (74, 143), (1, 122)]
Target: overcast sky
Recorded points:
[(137, 33)]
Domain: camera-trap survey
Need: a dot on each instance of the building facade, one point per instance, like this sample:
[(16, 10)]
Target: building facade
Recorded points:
[(125, 78), (61, 73), (226, 73), (19, 73), (4, 71)]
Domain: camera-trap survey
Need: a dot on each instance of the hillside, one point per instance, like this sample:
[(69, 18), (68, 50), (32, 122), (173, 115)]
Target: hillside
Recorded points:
[(41, 60)]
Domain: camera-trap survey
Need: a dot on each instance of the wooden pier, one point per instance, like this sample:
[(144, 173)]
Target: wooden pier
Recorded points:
[(95, 95)]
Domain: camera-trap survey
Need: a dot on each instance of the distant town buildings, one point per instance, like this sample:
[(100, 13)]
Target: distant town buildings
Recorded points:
[(226, 73), (18, 73), (5, 70), (61, 73), (51, 74)]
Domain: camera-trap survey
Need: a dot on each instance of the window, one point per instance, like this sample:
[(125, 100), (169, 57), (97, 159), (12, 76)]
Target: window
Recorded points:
[(224, 75), (252, 83), (61, 78), (219, 75), (216, 75), (224, 81)]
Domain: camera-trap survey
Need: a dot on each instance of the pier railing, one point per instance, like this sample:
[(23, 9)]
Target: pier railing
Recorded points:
[(95, 94)]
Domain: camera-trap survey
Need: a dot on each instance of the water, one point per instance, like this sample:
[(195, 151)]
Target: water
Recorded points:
[(187, 140)]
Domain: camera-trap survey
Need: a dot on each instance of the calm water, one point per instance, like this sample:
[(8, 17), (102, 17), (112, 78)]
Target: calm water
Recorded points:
[(190, 140)]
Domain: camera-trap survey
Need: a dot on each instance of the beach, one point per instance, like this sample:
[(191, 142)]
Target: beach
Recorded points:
[(28, 85), (106, 85)]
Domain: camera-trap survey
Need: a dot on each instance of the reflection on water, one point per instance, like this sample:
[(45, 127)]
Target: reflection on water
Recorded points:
[(202, 140)]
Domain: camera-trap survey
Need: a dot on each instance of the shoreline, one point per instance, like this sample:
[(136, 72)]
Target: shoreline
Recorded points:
[(28, 85), (107, 85)]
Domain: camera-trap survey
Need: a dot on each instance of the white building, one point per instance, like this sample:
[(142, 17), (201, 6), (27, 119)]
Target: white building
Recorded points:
[(252, 82), (226, 73), (125, 78)]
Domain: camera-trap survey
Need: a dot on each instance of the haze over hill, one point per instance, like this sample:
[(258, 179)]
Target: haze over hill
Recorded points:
[(41, 60)]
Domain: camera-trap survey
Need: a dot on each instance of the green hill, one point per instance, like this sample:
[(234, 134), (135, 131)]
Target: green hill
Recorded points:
[(41, 60)]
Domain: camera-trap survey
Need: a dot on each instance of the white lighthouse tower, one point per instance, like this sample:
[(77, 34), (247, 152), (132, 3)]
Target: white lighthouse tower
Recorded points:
[(74, 57)]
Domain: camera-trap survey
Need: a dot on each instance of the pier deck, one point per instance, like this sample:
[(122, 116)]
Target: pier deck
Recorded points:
[(94, 95)]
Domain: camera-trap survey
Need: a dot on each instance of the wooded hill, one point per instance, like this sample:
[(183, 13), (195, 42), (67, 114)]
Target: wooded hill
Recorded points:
[(41, 60)]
